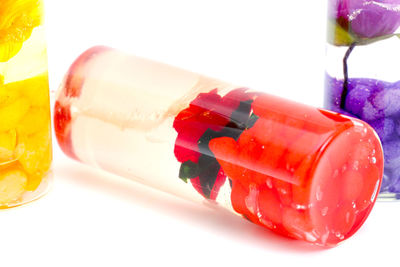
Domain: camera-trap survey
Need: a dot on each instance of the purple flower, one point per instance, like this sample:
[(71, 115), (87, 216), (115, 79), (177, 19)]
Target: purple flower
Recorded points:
[(367, 18)]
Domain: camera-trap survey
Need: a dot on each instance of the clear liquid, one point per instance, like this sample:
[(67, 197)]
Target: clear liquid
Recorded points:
[(138, 126)]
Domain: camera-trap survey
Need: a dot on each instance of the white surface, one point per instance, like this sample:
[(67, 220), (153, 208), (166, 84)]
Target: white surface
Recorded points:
[(91, 218)]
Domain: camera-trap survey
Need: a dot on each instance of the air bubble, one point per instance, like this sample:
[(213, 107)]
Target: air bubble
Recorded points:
[(300, 207), (319, 194), (267, 223), (324, 211), (310, 237), (347, 217), (344, 168), (251, 200), (336, 173), (283, 191), (356, 164), (269, 183), (339, 235), (324, 237)]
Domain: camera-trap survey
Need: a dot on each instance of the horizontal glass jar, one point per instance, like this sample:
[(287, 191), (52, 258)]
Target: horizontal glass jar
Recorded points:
[(300, 171)]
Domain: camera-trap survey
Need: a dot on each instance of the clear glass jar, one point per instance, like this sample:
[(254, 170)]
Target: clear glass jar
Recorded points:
[(25, 132), (362, 78), (300, 171)]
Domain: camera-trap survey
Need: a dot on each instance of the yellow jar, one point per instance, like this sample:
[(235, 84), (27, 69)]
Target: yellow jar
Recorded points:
[(25, 133)]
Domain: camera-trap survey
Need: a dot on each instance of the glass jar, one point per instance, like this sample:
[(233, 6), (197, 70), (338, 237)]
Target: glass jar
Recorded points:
[(25, 132), (362, 77), (300, 171)]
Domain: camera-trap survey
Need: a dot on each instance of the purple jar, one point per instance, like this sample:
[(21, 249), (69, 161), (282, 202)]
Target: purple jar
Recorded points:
[(363, 73)]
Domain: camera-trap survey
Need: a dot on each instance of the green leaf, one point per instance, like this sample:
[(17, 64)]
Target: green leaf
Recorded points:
[(338, 36), (188, 170), (241, 114), (251, 121), (209, 169), (367, 41)]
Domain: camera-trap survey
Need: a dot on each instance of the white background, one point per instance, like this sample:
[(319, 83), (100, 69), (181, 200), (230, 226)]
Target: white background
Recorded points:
[(91, 218)]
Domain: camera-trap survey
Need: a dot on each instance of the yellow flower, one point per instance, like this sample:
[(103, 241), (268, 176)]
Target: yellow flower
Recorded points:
[(17, 20)]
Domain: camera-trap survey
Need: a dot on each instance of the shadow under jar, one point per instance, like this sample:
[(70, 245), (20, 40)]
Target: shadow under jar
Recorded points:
[(25, 132), (363, 77)]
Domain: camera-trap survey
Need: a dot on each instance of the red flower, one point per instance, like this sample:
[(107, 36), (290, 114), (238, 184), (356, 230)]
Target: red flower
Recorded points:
[(206, 117)]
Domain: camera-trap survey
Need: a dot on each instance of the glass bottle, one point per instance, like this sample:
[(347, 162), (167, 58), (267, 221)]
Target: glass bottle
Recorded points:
[(300, 171), (362, 77), (25, 132)]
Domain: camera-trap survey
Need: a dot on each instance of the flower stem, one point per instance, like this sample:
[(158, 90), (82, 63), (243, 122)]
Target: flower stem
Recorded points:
[(346, 76)]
